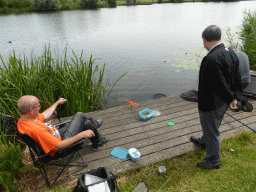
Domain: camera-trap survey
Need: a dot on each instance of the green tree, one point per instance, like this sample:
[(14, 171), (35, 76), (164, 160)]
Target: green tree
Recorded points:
[(3, 3), (46, 5), (88, 4)]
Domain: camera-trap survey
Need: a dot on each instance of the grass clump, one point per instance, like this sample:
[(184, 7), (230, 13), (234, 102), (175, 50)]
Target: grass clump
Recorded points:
[(237, 172), (11, 163)]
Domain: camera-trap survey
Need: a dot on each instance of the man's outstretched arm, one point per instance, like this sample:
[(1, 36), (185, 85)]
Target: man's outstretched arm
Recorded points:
[(48, 112), (76, 138)]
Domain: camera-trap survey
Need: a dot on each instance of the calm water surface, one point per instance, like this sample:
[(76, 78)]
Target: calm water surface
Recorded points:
[(151, 42)]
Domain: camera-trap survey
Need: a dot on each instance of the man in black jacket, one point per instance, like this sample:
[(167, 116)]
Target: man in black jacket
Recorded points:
[(219, 86)]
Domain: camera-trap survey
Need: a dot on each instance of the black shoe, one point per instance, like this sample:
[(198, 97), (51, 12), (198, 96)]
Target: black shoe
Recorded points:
[(247, 106), (239, 106), (195, 140), (103, 141), (205, 165), (99, 122)]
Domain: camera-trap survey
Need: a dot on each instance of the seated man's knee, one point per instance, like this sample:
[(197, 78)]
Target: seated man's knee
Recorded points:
[(79, 114)]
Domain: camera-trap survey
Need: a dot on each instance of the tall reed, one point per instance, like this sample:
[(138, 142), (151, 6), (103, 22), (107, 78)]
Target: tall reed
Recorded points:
[(248, 36), (50, 78)]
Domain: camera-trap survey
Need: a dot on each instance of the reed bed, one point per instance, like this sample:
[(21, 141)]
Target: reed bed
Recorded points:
[(50, 78)]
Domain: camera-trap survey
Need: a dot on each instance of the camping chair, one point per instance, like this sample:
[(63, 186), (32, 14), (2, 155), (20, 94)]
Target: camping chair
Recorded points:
[(40, 159)]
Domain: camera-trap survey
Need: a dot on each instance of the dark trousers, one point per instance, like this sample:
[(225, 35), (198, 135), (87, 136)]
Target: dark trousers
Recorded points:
[(80, 122), (210, 122), (245, 84)]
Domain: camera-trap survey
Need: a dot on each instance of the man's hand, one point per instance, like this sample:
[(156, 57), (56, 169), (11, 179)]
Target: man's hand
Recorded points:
[(78, 137), (87, 134), (61, 101), (48, 112), (233, 104)]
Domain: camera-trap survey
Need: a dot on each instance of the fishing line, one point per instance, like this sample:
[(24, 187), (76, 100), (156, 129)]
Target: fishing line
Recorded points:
[(242, 123)]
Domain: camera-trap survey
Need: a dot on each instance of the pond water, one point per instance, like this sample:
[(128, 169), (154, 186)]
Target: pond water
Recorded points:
[(151, 42)]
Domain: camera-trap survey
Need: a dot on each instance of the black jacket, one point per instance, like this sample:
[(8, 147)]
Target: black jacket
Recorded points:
[(219, 79)]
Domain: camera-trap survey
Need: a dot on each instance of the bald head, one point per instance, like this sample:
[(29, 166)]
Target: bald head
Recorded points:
[(26, 103)]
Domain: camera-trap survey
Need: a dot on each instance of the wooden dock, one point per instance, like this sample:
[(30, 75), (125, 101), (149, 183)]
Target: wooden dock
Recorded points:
[(153, 138)]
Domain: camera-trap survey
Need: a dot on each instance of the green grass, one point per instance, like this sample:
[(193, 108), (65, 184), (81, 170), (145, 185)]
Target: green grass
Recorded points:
[(237, 171)]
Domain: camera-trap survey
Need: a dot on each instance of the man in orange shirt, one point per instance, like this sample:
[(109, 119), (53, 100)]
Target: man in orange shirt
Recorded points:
[(47, 136)]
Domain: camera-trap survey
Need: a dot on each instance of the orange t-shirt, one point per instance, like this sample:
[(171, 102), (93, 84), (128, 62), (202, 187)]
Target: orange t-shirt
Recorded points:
[(46, 136)]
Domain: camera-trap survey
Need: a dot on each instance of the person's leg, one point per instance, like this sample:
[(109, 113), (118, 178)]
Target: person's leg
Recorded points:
[(88, 124), (80, 122), (244, 84), (210, 122)]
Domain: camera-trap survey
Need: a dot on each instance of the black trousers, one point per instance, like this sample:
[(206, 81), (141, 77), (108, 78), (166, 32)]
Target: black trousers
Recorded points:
[(210, 122), (79, 123)]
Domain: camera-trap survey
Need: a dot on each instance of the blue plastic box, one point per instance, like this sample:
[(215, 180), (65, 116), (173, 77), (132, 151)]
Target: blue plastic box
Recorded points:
[(146, 117), (134, 154)]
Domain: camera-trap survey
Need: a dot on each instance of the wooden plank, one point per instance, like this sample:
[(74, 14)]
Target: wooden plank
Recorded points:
[(157, 145), (162, 155), (149, 131), (154, 138), (138, 139)]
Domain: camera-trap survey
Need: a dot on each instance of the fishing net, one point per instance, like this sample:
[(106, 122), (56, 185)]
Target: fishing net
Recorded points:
[(191, 95)]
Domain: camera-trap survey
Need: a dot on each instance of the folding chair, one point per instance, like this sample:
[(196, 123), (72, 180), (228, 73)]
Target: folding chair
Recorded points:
[(40, 159)]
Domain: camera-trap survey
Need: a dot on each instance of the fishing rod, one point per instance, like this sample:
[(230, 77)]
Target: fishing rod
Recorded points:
[(241, 122)]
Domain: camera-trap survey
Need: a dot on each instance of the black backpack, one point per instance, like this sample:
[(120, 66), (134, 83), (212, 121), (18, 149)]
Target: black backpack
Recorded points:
[(102, 172)]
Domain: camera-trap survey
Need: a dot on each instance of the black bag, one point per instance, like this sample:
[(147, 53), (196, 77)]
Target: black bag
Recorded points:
[(102, 172)]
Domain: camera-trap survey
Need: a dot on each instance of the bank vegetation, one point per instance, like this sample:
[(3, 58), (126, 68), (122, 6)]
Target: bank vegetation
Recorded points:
[(18, 6)]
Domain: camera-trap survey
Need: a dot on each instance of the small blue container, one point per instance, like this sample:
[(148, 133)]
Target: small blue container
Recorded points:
[(148, 116), (134, 154)]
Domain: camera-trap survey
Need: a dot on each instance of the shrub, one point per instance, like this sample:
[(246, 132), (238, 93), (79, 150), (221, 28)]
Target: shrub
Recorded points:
[(46, 5), (88, 4), (248, 37), (69, 4), (130, 1), (3, 3), (5, 10), (112, 3)]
